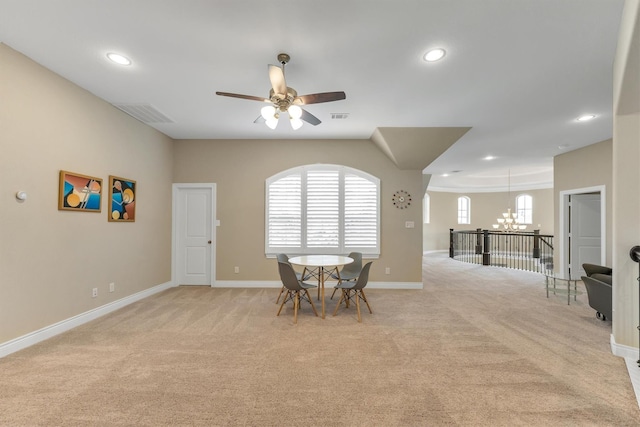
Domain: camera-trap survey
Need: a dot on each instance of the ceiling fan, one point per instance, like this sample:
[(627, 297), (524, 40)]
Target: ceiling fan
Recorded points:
[(285, 99)]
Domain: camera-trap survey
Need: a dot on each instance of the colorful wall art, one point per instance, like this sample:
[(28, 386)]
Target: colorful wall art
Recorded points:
[(122, 199), (79, 192)]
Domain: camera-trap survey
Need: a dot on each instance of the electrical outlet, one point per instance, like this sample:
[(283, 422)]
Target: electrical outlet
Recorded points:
[(112, 287), (409, 224), (387, 270), (236, 270), (95, 292)]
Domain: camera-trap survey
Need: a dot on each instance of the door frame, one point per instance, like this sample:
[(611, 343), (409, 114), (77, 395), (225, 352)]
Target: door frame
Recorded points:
[(174, 240), (563, 216)]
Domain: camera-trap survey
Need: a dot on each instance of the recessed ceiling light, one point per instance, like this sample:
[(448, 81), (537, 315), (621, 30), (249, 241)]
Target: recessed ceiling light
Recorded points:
[(435, 55), (445, 174), (119, 59), (586, 117), (490, 158)]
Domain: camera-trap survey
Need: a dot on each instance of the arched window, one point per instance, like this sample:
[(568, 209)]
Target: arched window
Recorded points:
[(464, 210), (524, 209), (322, 209), (426, 206)]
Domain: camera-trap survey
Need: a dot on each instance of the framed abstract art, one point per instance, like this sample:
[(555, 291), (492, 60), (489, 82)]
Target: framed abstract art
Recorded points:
[(80, 193), (122, 199)]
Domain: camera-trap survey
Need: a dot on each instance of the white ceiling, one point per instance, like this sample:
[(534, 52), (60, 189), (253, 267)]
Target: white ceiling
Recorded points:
[(517, 72)]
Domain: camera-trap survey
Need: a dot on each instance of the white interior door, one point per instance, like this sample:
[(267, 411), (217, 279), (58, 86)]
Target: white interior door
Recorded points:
[(194, 234), (585, 232)]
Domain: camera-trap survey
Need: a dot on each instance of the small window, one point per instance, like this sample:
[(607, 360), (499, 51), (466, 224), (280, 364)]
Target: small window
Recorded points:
[(425, 208), (524, 208), (464, 210)]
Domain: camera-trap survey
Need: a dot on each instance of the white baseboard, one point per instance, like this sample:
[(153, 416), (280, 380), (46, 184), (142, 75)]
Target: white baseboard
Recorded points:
[(434, 251), (634, 374), (623, 350), (47, 332), (278, 284), (630, 355)]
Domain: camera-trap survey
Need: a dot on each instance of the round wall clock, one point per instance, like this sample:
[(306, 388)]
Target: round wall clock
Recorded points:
[(401, 199)]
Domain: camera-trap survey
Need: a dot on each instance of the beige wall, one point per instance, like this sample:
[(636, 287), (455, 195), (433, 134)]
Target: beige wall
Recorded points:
[(240, 168), (49, 259), (485, 209), (626, 228), (584, 168), (626, 178)]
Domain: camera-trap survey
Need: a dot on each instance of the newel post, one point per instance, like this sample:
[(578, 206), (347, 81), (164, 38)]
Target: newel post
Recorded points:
[(486, 255), (478, 241), (536, 244), (451, 243)]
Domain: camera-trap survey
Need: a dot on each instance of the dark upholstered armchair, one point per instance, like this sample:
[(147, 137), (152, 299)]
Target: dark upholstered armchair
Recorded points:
[(598, 282), (592, 269)]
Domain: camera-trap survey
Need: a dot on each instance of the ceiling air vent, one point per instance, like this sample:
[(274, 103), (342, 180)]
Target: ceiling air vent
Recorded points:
[(339, 116), (146, 113)]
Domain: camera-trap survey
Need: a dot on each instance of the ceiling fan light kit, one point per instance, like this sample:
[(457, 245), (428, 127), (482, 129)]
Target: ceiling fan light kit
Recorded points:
[(295, 123), (286, 99), (295, 112)]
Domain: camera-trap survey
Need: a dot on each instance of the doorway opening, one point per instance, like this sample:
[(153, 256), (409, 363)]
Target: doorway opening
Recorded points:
[(582, 230)]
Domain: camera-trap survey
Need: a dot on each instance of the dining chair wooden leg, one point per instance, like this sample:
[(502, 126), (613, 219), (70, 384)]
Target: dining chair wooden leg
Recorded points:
[(358, 307), (296, 304), (283, 302), (364, 298), (280, 294), (335, 289), (339, 302), (339, 282), (311, 302)]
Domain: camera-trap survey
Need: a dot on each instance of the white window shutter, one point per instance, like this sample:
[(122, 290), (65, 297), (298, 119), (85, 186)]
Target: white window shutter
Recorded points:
[(284, 203), (323, 209), (360, 213)]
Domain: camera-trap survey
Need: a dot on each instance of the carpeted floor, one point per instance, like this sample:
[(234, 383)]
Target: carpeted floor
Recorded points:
[(477, 346)]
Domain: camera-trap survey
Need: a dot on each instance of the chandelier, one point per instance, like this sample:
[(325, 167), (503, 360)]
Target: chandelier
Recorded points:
[(509, 220)]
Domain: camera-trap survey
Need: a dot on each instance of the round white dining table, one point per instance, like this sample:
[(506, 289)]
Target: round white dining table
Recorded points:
[(326, 264)]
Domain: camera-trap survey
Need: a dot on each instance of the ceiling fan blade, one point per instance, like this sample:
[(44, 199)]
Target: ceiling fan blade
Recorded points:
[(316, 98), (260, 119), (249, 97), (309, 118), (276, 76)]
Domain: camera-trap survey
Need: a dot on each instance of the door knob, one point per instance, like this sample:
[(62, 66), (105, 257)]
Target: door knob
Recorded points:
[(209, 242)]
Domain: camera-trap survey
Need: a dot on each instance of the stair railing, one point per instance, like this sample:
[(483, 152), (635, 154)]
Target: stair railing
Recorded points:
[(530, 251)]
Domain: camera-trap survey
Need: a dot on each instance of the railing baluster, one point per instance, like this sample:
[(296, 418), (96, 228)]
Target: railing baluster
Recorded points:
[(521, 250)]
